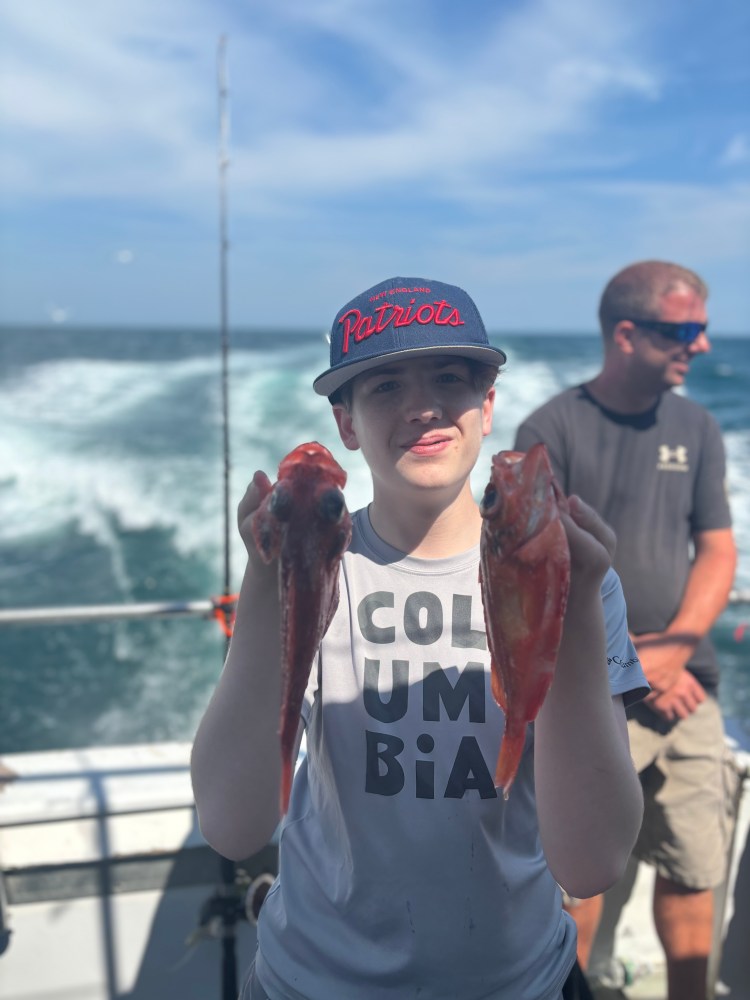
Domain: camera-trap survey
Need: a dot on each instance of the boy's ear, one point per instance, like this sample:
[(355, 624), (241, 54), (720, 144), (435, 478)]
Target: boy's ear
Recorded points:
[(488, 408), (344, 422)]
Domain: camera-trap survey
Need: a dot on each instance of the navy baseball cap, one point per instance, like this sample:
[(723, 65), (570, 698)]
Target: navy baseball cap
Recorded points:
[(404, 318)]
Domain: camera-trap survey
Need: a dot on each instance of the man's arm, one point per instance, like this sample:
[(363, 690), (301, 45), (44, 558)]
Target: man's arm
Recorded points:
[(664, 655), (236, 758), (589, 798)]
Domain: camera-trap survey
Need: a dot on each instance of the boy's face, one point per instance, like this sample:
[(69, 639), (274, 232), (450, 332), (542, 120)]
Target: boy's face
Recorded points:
[(419, 423)]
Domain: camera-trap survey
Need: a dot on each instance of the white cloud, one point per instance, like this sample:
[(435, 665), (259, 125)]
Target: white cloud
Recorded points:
[(736, 152), (501, 143), (117, 101)]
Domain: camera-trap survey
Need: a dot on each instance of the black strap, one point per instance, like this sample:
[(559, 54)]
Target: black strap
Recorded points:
[(576, 986)]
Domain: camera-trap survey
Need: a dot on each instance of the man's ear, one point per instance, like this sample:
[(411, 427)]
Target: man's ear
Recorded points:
[(343, 417), (622, 336)]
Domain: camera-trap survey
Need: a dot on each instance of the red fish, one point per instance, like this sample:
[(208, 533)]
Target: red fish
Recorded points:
[(524, 572), (303, 521)]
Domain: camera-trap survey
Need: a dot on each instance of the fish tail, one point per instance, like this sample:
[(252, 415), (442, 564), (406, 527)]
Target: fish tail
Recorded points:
[(509, 758), (286, 785)]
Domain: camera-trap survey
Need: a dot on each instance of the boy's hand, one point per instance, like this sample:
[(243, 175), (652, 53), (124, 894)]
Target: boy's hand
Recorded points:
[(592, 542)]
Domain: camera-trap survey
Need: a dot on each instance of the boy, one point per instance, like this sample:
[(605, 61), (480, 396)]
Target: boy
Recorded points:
[(403, 872)]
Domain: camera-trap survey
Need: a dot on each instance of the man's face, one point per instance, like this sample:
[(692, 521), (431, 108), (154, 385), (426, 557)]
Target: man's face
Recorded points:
[(666, 361), (419, 424)]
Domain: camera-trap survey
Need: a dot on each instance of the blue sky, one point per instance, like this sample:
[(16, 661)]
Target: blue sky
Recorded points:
[(525, 150)]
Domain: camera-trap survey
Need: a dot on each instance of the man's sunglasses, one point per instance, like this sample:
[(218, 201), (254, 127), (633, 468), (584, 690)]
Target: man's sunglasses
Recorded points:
[(685, 333)]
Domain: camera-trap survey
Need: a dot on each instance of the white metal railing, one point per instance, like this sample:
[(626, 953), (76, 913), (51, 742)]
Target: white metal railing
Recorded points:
[(106, 612), (155, 609)]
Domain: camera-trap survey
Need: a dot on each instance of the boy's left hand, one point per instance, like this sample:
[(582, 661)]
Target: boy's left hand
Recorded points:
[(591, 541)]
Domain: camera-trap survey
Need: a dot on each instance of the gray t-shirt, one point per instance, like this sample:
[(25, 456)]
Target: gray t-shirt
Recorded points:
[(403, 872), (658, 478)]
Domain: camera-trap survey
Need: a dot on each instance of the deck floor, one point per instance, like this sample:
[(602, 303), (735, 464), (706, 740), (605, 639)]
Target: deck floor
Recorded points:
[(650, 987)]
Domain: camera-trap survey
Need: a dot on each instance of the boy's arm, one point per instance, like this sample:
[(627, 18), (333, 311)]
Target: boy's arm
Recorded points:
[(236, 758), (589, 797)]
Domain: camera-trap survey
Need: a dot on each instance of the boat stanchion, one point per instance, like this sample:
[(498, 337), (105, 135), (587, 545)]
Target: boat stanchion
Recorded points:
[(5, 930), (256, 894)]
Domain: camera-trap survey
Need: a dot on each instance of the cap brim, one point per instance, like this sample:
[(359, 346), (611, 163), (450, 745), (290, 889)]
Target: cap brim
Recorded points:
[(329, 381)]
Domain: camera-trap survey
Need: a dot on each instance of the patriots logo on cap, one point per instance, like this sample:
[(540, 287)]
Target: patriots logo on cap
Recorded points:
[(440, 312)]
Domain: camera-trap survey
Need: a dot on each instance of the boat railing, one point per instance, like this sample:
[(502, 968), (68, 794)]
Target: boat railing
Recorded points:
[(206, 608), (201, 608)]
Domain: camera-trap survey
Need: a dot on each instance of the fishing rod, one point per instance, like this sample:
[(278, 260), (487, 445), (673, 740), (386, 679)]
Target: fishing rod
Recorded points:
[(221, 911), (228, 911), (223, 91)]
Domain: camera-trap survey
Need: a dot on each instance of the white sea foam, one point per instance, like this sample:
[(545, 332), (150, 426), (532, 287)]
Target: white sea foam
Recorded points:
[(66, 458), (737, 444), (63, 464), (112, 448)]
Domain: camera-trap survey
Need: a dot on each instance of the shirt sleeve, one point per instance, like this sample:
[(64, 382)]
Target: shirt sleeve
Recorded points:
[(626, 675), (544, 426)]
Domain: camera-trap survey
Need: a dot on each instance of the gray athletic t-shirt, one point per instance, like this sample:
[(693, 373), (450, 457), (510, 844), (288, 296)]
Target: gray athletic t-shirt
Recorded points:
[(657, 478), (403, 872)]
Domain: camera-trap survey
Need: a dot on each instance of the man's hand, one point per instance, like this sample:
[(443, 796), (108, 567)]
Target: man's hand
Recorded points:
[(663, 656), (679, 701), (676, 693)]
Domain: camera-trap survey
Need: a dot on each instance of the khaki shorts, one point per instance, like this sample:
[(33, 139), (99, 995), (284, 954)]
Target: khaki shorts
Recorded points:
[(686, 775)]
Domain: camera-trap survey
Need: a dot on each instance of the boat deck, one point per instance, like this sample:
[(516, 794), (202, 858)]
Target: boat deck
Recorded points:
[(102, 846), (627, 929), (651, 987)]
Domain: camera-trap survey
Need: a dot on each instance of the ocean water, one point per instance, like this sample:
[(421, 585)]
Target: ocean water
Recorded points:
[(111, 490)]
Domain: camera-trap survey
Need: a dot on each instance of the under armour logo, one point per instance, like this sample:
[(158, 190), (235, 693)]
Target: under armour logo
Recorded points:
[(673, 459)]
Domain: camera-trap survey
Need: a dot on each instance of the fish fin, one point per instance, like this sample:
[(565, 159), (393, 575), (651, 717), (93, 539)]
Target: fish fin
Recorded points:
[(511, 750), (562, 501), (266, 533), (286, 786), (497, 688)]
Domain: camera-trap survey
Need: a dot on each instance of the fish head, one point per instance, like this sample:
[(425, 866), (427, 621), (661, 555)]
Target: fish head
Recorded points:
[(308, 492), (520, 498), (312, 458), (305, 500)]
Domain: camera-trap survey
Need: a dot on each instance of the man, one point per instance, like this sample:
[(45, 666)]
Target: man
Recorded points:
[(651, 463), (403, 871)]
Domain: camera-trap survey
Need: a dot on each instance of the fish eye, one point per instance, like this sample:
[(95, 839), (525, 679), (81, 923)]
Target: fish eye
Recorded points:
[(280, 502), (331, 506), (489, 500)]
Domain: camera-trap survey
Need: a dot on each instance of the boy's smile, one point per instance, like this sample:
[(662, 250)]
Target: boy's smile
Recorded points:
[(428, 444)]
